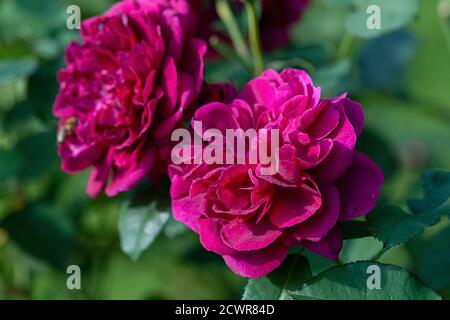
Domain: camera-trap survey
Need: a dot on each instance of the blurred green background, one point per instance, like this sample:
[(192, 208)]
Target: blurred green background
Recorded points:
[(402, 78)]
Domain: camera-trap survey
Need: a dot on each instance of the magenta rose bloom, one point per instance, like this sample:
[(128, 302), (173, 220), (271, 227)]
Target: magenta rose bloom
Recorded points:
[(134, 77), (253, 219)]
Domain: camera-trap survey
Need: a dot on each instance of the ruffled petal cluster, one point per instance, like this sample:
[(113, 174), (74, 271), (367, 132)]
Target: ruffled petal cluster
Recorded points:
[(132, 80), (251, 218)]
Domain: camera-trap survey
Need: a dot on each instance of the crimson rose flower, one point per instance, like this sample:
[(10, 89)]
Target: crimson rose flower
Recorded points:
[(253, 219), (127, 85)]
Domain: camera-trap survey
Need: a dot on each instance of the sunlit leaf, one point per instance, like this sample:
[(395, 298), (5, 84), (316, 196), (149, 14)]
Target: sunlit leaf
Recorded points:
[(141, 221), (349, 282), (290, 275), (17, 69)]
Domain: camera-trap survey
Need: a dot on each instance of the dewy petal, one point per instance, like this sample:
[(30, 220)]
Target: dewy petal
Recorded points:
[(359, 187), (256, 264), (249, 235), (293, 206), (329, 247)]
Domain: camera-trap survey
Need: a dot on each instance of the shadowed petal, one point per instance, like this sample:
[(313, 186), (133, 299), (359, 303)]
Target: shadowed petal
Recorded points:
[(359, 187), (255, 264), (293, 206), (329, 247)]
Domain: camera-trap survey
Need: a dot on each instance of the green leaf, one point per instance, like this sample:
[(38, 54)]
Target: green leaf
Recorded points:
[(222, 71), (318, 263), (10, 164), (436, 188), (314, 29), (39, 18), (383, 60), (424, 131), (432, 258), (39, 152), (141, 220), (349, 282), (42, 231), (290, 275), (393, 226), (354, 229), (394, 15), (333, 78), (11, 70), (174, 228), (361, 249)]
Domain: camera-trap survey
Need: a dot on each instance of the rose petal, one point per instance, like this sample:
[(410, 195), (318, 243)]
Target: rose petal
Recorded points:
[(210, 113), (359, 187), (99, 176), (329, 247), (209, 231), (255, 264), (249, 235), (125, 179), (340, 156), (355, 114), (317, 227), (293, 206), (259, 90), (231, 187)]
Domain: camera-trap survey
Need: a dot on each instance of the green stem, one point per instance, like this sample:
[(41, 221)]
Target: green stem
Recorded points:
[(344, 46), (228, 53), (254, 37), (226, 16), (445, 31)]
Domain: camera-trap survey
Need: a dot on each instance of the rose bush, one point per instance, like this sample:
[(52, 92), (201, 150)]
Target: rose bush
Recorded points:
[(252, 219), (134, 77)]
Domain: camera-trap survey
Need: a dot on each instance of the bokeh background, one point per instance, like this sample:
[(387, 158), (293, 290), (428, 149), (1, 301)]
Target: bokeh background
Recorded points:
[(47, 222)]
